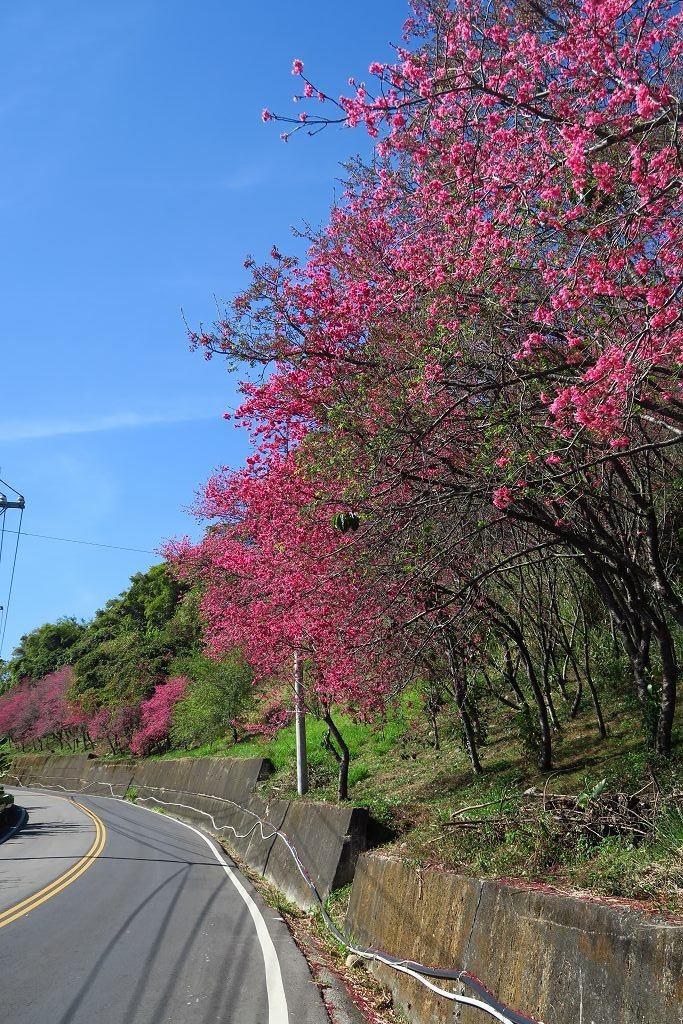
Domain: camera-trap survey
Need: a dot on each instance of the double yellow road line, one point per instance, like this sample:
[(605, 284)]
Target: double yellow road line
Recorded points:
[(74, 872)]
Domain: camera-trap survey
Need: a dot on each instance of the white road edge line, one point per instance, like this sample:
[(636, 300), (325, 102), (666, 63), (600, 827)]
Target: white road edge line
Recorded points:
[(277, 1001)]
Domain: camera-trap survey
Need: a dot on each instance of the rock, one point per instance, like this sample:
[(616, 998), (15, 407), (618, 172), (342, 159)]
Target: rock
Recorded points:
[(353, 960)]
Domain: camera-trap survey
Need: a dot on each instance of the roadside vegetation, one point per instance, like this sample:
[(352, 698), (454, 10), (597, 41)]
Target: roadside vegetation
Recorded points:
[(6, 800), (608, 819), (461, 522)]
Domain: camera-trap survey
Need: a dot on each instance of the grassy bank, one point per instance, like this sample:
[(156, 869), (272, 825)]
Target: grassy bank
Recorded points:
[(608, 819)]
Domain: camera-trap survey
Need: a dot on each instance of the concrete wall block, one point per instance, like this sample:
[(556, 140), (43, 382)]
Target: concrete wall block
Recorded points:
[(66, 773), (591, 961), (557, 958), (242, 833), (327, 837), (107, 779), (28, 769), (408, 911), (261, 824)]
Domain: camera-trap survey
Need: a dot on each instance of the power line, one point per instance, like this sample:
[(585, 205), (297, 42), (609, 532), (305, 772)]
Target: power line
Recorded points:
[(2, 545), (11, 582), (2, 536), (88, 543), (9, 487)]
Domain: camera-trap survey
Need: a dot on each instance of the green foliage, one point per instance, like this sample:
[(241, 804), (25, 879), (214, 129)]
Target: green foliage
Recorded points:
[(46, 649), (337, 904), (119, 669), (147, 606), (611, 667), (219, 693), (528, 730), (593, 793), (345, 521), (126, 649), (668, 833), (117, 661)]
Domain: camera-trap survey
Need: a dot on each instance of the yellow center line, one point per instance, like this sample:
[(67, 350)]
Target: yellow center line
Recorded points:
[(74, 872)]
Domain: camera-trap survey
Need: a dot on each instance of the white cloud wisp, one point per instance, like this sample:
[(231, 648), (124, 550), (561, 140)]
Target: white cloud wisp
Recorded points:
[(26, 430)]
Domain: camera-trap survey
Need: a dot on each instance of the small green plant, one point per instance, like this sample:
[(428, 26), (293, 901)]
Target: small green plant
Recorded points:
[(528, 730), (131, 794), (337, 904), (668, 830), (593, 793)]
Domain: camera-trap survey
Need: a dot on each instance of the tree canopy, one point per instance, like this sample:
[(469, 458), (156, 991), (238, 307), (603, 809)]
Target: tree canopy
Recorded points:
[(473, 408), (466, 469)]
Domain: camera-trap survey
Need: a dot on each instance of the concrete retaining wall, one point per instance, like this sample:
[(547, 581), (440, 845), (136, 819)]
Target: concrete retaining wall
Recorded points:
[(563, 960), (328, 838), (559, 959)]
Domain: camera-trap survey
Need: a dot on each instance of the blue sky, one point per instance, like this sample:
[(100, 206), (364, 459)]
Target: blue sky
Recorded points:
[(136, 176)]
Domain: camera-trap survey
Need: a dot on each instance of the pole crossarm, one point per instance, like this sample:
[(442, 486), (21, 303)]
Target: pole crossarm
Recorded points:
[(4, 503)]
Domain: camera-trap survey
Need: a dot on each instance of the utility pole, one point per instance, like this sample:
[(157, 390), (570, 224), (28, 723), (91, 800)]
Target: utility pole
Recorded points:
[(300, 718)]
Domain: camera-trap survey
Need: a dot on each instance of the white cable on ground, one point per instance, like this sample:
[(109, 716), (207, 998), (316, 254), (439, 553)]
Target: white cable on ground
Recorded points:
[(418, 972)]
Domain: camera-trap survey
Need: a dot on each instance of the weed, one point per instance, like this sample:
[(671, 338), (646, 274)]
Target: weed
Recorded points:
[(668, 831), (337, 904), (528, 731)]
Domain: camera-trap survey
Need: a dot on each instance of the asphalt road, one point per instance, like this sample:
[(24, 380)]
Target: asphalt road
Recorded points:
[(111, 914)]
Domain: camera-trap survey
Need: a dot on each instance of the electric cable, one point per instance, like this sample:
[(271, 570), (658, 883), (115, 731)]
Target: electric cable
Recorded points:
[(2, 535), (11, 583), (10, 488), (88, 543)]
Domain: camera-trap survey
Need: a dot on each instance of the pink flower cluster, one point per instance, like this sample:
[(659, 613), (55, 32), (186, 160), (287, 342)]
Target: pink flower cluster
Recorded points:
[(502, 285), (41, 712), (156, 714)]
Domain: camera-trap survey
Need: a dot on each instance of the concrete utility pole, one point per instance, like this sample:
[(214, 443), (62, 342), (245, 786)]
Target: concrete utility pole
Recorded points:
[(4, 503), (300, 717)]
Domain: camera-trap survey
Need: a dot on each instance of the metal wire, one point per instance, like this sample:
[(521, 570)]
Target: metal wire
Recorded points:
[(87, 543), (11, 582), (10, 488)]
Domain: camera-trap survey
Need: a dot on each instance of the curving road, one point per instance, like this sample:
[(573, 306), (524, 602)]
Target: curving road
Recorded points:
[(111, 914)]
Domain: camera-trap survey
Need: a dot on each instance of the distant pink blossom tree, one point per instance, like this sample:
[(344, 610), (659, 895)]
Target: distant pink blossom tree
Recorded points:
[(116, 724), (39, 712), (155, 716)]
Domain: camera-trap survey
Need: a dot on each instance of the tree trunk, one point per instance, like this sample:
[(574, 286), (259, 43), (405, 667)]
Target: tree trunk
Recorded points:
[(340, 752), (667, 707), (459, 694), (512, 630)]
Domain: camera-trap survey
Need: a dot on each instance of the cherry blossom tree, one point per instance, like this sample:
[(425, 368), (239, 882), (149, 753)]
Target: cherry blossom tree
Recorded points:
[(277, 581), (478, 362), (155, 716), (40, 712)]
